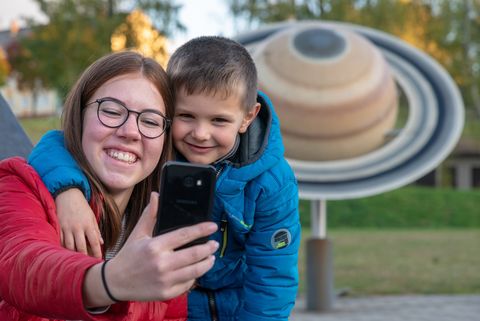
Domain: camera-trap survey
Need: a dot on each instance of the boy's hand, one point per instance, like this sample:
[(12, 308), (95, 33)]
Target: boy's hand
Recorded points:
[(79, 228)]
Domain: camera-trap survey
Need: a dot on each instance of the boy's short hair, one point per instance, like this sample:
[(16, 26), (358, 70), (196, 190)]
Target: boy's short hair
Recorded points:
[(214, 65)]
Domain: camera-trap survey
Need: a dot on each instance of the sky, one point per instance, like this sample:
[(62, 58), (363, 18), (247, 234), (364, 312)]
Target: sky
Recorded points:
[(206, 17), (201, 17)]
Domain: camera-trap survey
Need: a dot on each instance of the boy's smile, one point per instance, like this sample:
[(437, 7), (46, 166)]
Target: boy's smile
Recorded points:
[(205, 126)]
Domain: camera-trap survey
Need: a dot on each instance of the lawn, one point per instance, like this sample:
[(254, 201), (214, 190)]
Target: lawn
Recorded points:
[(403, 261), (36, 127)]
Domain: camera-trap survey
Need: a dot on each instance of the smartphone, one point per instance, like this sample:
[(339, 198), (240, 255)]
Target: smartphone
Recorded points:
[(186, 197)]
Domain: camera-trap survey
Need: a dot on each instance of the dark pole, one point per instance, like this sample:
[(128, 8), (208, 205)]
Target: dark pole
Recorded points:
[(319, 262), (110, 8)]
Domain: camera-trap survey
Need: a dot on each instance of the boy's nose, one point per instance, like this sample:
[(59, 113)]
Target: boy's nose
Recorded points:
[(201, 132)]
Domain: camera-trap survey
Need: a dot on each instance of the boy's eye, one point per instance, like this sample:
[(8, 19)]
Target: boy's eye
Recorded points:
[(185, 116), (220, 120)]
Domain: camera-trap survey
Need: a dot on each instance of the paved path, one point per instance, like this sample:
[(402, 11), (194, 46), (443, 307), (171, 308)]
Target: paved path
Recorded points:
[(396, 308)]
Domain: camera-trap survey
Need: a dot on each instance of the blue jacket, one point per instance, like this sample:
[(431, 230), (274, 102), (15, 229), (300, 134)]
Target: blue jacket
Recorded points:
[(255, 275)]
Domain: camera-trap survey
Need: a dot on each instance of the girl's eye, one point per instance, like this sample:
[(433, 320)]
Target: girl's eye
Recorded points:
[(150, 122), (111, 112)]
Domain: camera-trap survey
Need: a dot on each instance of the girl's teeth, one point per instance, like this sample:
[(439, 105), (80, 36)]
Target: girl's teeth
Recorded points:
[(122, 156)]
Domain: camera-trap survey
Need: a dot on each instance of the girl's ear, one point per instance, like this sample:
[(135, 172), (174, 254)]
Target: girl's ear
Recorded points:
[(249, 117)]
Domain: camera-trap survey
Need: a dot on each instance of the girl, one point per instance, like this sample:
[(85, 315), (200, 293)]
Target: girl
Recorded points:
[(115, 121)]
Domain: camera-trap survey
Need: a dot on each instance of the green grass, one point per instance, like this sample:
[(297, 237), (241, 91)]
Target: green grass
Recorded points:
[(36, 127), (411, 240), (407, 207), (389, 261), (471, 129)]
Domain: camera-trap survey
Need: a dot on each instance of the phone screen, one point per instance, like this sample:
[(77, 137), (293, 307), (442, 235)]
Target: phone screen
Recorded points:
[(186, 195)]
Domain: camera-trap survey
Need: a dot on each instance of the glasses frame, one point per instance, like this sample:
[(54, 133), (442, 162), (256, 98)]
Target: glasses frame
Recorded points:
[(167, 121)]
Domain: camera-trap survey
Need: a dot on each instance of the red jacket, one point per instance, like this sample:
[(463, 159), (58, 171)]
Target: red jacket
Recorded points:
[(39, 279)]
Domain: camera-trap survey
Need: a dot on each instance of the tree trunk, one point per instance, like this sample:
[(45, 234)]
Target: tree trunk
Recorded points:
[(475, 94), (34, 102)]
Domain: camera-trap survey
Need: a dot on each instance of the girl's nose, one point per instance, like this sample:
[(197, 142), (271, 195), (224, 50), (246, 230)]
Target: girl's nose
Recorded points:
[(130, 128)]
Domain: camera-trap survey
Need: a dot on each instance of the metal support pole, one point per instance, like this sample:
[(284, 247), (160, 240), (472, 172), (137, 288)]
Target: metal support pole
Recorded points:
[(319, 255), (318, 215)]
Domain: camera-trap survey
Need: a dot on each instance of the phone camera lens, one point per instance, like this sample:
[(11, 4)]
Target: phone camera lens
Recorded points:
[(188, 181)]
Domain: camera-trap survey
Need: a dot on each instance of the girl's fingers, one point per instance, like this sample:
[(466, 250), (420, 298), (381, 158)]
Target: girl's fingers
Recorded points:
[(192, 255), (175, 239), (189, 273), (145, 224)]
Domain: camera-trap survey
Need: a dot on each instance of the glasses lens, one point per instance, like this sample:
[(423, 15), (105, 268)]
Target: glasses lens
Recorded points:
[(151, 124), (112, 114)]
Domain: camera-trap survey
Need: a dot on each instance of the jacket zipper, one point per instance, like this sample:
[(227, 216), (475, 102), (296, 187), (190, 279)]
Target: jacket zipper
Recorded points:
[(212, 305), (224, 230)]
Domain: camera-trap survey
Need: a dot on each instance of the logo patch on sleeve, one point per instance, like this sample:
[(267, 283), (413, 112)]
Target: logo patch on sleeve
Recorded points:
[(281, 239)]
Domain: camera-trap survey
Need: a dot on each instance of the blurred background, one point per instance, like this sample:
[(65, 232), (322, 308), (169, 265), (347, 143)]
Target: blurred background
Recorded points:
[(422, 238)]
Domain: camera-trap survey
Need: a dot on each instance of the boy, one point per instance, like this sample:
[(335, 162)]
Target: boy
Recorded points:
[(219, 120)]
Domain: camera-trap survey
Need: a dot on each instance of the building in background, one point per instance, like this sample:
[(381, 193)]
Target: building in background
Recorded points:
[(464, 165), (25, 102)]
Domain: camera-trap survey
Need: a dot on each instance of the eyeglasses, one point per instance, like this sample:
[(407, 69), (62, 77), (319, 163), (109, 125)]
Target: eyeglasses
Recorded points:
[(113, 113)]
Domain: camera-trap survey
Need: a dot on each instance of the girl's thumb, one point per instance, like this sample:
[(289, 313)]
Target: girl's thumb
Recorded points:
[(146, 223)]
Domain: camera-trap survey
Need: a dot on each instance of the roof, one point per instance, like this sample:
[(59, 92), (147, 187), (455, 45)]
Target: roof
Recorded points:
[(6, 36), (467, 147), (14, 140)]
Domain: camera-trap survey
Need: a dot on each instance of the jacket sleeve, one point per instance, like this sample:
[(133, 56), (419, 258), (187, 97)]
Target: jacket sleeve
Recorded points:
[(37, 275), (271, 279), (56, 166), (176, 308)]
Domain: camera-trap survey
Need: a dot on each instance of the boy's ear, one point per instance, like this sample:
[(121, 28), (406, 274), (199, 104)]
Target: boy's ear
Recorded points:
[(249, 117)]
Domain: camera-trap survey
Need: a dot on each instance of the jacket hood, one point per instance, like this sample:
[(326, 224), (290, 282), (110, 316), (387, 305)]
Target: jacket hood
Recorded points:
[(260, 147)]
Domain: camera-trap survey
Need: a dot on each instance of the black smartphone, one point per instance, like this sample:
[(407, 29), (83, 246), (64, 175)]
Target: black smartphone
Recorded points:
[(186, 197)]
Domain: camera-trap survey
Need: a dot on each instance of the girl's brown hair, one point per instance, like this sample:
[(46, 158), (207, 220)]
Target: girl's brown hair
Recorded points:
[(102, 70)]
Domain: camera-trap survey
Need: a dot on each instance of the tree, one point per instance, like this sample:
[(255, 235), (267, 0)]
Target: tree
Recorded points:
[(4, 67), (138, 33), (78, 33), (164, 13), (445, 29), (25, 69)]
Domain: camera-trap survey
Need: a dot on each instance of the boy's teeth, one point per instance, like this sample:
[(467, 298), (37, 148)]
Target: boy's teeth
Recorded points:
[(122, 156)]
